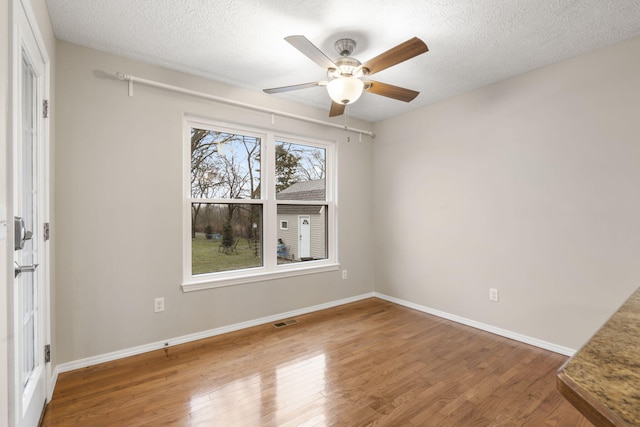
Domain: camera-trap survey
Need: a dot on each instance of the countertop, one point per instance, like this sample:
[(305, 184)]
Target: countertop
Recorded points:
[(602, 380)]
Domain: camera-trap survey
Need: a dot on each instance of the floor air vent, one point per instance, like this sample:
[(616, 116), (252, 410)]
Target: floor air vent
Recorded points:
[(284, 323)]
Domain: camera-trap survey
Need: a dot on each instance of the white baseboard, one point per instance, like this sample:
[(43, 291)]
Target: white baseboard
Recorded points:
[(90, 361), (482, 326)]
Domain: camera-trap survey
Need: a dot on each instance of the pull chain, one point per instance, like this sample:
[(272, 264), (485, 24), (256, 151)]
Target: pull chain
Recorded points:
[(346, 122)]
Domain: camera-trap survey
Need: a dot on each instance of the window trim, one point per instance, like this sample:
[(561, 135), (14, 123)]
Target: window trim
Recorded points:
[(270, 269), (220, 282), (284, 224)]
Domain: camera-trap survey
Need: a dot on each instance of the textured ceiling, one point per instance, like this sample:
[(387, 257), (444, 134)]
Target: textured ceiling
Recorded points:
[(472, 43)]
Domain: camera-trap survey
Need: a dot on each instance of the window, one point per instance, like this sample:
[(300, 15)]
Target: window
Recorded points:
[(301, 195), (258, 205)]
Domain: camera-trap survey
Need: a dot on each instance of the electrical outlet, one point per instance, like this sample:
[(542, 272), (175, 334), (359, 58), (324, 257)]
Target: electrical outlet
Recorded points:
[(493, 294), (158, 305), (344, 274)]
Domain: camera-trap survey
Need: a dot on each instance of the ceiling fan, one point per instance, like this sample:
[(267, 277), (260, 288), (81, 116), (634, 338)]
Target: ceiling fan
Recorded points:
[(348, 77)]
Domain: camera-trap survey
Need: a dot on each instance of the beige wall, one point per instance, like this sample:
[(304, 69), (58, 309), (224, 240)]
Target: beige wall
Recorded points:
[(529, 186), (119, 214)]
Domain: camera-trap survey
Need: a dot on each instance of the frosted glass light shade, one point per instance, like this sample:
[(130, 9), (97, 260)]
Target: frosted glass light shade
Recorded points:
[(345, 90)]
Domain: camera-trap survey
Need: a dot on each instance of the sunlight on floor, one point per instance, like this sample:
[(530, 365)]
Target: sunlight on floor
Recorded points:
[(294, 384), (302, 382)]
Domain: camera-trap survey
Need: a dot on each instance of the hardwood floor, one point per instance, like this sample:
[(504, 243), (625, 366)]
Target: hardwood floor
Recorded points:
[(366, 363)]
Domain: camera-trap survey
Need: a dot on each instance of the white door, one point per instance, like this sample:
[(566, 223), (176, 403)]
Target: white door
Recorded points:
[(304, 243), (30, 208)]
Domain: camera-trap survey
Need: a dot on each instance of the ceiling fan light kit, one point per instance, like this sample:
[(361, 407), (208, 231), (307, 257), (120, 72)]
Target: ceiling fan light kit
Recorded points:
[(345, 90), (348, 77)]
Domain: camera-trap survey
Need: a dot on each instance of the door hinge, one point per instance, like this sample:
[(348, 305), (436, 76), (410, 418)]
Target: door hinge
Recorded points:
[(45, 109), (47, 353), (45, 231)]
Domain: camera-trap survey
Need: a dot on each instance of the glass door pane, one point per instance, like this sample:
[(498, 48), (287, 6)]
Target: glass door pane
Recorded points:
[(28, 254)]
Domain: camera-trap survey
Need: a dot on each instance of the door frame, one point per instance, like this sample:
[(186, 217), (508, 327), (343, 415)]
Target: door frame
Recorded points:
[(22, 22)]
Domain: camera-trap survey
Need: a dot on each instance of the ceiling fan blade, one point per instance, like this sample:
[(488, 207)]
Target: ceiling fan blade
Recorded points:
[(311, 51), (336, 109), (292, 87), (402, 52), (390, 91)]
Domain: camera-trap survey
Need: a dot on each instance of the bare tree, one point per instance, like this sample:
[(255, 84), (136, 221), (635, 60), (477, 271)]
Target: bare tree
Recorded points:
[(312, 164), (236, 163), (205, 176)]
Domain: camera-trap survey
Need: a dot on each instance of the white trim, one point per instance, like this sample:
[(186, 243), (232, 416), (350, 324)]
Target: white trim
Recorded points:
[(108, 357), (207, 282), (482, 326), (270, 269), (25, 36)]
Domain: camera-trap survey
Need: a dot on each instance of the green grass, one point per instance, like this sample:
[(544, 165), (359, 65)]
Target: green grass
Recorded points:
[(206, 256)]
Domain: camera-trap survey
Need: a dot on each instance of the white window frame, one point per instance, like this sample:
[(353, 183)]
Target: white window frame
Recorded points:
[(284, 224), (270, 269)]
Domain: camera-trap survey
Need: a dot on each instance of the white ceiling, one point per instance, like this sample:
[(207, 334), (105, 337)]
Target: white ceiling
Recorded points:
[(472, 43)]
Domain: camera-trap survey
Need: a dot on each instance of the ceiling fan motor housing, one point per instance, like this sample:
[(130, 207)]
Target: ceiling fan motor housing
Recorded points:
[(346, 67)]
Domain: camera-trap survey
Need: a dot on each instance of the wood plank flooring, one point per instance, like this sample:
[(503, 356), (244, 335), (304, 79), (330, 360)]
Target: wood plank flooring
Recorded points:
[(361, 364)]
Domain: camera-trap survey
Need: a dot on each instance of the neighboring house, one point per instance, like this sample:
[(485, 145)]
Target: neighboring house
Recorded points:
[(303, 228)]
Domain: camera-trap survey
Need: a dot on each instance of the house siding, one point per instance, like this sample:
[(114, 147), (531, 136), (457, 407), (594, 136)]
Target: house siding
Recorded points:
[(318, 233)]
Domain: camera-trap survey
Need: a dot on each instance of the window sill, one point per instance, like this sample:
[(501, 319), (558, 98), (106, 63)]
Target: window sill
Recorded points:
[(209, 282)]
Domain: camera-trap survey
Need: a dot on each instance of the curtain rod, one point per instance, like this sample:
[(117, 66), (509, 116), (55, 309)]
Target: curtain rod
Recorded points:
[(131, 79)]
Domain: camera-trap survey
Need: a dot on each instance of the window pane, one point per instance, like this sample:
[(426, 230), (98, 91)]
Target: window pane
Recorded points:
[(224, 165), (225, 236), (300, 172), (305, 238)]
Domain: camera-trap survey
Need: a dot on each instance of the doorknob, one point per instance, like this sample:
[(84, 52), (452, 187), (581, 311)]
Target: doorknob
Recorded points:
[(24, 269), (20, 233)]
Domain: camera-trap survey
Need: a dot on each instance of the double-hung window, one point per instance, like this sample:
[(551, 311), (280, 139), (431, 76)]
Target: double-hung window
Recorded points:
[(258, 205)]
